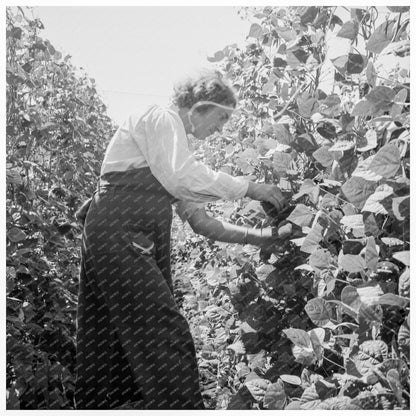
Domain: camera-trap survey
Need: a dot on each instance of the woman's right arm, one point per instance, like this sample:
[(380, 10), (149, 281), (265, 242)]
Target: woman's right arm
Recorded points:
[(203, 224)]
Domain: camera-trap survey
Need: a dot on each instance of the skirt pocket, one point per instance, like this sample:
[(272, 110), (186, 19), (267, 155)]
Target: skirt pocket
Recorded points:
[(139, 239)]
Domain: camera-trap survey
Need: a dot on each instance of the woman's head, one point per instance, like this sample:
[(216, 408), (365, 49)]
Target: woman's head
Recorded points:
[(208, 87), (205, 104)]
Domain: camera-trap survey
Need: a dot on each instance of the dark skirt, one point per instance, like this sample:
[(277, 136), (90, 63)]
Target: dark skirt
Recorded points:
[(134, 348)]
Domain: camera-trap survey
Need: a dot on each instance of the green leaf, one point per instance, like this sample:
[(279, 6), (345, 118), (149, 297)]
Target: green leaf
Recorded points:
[(369, 293), (303, 355), (335, 20), (351, 368), (305, 267), (398, 364), (399, 99), (330, 106), (307, 105), (371, 74), (13, 177), (279, 62), (238, 348), (256, 31), (351, 263), (338, 403), (281, 161), (296, 57), (404, 283), (320, 259), (326, 130), (350, 297), (293, 405), (307, 14), (353, 245), (16, 235), (290, 379), (218, 56), (264, 270), (48, 126), (301, 216), (399, 9), (286, 33), (353, 222), (342, 146), (357, 14), (393, 378), (340, 63), (376, 349), (213, 276), (356, 63), (368, 142), (324, 156), (258, 387), (386, 162), (356, 190), (403, 338), (381, 97), (370, 224), (243, 400), (391, 299), (317, 336), (282, 134), (403, 257), (401, 207), (308, 187), (319, 311), (325, 388), (298, 337), (311, 241), (310, 398), (375, 201), (392, 241), (16, 32), (349, 30), (371, 254), (364, 108), (381, 37), (370, 314), (275, 397)]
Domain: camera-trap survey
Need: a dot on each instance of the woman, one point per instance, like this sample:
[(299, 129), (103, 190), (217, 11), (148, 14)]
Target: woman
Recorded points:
[(133, 345)]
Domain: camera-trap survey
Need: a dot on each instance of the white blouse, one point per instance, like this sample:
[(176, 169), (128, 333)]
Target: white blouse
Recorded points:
[(157, 139)]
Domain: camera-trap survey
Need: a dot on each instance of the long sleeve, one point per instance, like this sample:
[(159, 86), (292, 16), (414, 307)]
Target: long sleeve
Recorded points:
[(162, 139), (186, 209)]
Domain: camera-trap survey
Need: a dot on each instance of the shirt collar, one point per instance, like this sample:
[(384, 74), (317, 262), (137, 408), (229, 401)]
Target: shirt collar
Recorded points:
[(173, 107)]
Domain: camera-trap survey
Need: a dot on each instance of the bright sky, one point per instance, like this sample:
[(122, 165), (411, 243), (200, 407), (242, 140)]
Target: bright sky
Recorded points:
[(136, 54)]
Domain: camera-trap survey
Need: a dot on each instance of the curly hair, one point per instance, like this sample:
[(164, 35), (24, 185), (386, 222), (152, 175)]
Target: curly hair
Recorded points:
[(208, 87)]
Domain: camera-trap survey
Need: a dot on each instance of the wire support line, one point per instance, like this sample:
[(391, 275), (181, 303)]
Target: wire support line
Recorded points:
[(133, 93)]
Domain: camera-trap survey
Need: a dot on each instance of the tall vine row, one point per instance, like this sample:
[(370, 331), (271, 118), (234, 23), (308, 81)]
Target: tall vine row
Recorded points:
[(324, 112), (56, 133)]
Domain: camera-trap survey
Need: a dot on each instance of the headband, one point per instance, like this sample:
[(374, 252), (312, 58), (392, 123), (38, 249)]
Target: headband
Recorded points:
[(225, 107)]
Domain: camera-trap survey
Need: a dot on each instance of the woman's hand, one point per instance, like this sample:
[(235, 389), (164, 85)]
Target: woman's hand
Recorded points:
[(270, 238), (269, 193)]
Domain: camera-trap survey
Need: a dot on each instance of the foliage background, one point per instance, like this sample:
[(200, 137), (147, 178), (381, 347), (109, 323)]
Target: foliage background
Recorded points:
[(321, 323)]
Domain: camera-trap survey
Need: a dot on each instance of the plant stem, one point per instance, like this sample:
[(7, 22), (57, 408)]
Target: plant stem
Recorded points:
[(338, 365), (280, 113)]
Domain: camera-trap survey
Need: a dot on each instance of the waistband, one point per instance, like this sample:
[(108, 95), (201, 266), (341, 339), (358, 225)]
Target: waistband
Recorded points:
[(137, 180)]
